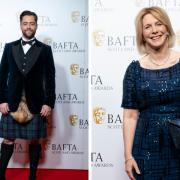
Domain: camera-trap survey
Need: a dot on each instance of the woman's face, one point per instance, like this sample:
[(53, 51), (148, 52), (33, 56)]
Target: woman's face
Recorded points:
[(154, 32)]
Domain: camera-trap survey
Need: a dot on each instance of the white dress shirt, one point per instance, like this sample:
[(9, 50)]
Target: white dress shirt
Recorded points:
[(27, 46)]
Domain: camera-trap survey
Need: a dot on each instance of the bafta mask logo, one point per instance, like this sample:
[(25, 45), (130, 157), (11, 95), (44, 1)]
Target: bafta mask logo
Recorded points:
[(139, 2), (178, 38), (47, 144), (98, 115), (74, 68), (47, 41), (75, 16), (73, 119), (18, 15), (99, 38)]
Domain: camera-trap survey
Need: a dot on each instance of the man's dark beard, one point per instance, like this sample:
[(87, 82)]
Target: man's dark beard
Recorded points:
[(29, 37)]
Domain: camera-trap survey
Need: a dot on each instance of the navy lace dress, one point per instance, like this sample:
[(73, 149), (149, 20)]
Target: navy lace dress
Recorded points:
[(156, 94)]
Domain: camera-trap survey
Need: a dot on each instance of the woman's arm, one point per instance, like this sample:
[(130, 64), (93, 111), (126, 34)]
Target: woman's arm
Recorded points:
[(130, 117), (129, 125)]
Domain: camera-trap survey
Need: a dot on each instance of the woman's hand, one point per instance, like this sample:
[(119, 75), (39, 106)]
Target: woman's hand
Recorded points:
[(130, 166)]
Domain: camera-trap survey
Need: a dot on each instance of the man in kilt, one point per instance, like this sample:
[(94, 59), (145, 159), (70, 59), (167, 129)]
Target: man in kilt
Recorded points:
[(26, 72)]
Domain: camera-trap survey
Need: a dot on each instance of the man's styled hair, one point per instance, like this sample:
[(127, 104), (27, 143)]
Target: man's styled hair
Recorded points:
[(28, 13)]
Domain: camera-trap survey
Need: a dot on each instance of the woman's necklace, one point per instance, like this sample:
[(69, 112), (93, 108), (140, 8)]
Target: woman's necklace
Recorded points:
[(153, 61)]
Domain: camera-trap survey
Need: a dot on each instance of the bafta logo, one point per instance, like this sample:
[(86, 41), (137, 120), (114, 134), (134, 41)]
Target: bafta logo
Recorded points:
[(47, 144), (178, 38), (75, 16), (99, 38), (138, 3), (98, 115), (47, 40), (17, 15), (74, 69), (73, 119)]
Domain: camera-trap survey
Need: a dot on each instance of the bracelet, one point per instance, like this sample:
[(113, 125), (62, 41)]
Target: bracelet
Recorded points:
[(128, 159)]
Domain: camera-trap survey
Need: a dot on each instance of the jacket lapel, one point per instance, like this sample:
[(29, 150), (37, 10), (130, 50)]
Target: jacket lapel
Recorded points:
[(17, 54), (32, 56)]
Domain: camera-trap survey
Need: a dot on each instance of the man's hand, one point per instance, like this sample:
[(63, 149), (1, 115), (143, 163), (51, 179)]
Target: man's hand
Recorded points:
[(4, 108), (45, 111)]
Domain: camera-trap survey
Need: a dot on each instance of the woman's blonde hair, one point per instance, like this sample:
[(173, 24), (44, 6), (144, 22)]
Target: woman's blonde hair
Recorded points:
[(160, 15)]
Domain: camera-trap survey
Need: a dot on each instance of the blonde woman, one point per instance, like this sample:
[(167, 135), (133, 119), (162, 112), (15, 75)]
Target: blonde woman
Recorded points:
[(151, 96)]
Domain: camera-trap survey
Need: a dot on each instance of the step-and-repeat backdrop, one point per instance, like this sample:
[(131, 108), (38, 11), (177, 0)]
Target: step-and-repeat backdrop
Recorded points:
[(62, 24), (113, 48)]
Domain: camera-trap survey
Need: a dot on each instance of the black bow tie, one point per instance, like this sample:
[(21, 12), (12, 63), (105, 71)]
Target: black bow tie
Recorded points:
[(28, 42)]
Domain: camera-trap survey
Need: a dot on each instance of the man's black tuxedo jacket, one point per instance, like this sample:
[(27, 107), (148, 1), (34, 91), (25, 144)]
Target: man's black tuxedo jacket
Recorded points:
[(37, 78)]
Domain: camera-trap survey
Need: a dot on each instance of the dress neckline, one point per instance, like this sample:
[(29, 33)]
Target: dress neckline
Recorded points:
[(162, 69)]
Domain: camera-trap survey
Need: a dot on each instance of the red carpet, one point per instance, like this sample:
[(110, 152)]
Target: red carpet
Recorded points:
[(47, 174)]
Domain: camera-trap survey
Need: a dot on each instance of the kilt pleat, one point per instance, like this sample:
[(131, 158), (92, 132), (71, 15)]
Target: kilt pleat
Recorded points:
[(32, 130)]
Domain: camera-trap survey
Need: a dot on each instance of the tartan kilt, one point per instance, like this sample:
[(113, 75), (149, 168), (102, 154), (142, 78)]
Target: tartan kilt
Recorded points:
[(35, 129)]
